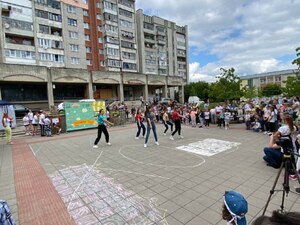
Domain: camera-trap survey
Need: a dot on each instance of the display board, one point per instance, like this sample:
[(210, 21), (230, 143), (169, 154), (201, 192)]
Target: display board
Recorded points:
[(81, 115)]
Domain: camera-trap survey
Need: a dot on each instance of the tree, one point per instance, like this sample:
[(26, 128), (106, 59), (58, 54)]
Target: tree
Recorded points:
[(227, 87), (249, 92), (270, 90), (200, 89), (292, 87)]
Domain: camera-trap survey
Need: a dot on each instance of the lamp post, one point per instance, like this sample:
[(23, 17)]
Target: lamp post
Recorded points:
[(121, 83)]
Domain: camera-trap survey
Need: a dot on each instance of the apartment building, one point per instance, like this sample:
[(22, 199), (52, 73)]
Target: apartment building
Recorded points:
[(262, 79), (53, 50), (162, 46)]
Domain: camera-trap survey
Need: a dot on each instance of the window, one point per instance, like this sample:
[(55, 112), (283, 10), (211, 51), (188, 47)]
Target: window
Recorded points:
[(127, 44), (98, 5), (129, 66), (126, 13), (44, 29), (113, 63), (127, 3), (109, 5), (85, 1), (72, 22), (73, 34), (58, 58), (51, 57), (112, 40), (110, 17), (102, 63), (99, 17), (41, 14), (99, 28), (88, 62), (86, 25), (127, 34), (75, 60), (88, 49), (44, 43), (74, 48), (111, 29), (112, 51), (128, 55), (87, 37), (100, 40), (125, 23), (85, 12), (55, 17), (148, 26), (150, 62), (11, 53), (71, 9)]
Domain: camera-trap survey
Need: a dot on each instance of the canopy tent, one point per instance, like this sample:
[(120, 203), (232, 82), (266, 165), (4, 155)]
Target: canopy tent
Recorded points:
[(8, 108)]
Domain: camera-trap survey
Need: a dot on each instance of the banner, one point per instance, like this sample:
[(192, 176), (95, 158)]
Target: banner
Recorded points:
[(81, 115)]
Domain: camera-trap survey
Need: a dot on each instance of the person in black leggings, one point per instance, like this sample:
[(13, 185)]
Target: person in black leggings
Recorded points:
[(166, 122), (102, 122), (177, 121)]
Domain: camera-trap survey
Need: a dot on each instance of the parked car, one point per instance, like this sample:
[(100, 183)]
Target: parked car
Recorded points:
[(20, 110)]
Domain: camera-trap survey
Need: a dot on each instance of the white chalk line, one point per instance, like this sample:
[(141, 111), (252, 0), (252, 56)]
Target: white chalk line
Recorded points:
[(158, 165)]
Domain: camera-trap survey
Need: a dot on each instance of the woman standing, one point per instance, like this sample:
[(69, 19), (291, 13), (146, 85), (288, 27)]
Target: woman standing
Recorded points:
[(6, 122), (139, 123), (177, 121), (166, 122), (150, 125), (102, 122), (35, 122)]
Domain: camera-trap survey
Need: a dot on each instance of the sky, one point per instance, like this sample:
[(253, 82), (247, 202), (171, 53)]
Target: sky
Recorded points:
[(252, 36)]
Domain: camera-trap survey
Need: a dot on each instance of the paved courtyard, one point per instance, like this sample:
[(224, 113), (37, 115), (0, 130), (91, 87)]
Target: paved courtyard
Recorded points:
[(63, 180)]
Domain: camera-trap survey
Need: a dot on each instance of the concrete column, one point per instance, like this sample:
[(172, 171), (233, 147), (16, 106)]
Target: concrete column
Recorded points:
[(146, 90), (121, 87), (181, 98), (50, 88), (90, 86), (165, 91)]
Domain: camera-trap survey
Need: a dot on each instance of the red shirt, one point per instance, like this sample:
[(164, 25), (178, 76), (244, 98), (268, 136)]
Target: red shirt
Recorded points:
[(138, 117), (175, 116)]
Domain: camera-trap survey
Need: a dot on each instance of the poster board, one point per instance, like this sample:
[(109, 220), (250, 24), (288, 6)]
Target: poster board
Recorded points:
[(81, 115)]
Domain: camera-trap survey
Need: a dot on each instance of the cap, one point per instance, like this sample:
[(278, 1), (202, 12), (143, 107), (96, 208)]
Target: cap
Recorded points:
[(237, 206)]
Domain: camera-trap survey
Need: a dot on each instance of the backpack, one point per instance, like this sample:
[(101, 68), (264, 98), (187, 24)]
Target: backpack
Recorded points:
[(5, 215)]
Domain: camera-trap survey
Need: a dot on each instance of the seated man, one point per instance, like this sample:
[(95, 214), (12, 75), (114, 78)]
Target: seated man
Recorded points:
[(273, 154)]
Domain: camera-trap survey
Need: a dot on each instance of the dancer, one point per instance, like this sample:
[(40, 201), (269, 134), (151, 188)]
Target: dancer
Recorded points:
[(167, 121), (149, 115), (102, 121), (177, 121), (139, 123), (6, 122)]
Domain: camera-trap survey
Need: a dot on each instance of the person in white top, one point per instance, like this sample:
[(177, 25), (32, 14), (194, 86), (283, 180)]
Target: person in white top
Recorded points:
[(6, 122), (26, 123), (35, 123), (42, 123), (30, 116)]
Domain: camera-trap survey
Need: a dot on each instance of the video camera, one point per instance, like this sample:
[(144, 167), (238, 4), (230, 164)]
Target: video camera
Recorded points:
[(286, 143)]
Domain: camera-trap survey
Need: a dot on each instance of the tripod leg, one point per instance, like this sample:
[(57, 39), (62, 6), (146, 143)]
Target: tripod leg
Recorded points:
[(273, 188)]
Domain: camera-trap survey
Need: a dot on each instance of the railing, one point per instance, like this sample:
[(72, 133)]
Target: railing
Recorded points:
[(18, 24)]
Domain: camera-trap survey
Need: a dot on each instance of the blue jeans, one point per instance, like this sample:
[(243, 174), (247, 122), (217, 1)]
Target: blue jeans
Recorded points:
[(148, 132), (139, 129), (273, 157)]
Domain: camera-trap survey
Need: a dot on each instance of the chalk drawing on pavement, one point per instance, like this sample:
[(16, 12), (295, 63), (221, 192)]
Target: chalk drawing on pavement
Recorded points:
[(99, 200), (209, 146)]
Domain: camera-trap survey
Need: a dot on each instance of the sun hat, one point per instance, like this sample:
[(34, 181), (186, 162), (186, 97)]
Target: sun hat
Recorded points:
[(237, 207)]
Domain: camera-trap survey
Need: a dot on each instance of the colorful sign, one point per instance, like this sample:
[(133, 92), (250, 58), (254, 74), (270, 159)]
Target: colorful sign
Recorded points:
[(81, 115)]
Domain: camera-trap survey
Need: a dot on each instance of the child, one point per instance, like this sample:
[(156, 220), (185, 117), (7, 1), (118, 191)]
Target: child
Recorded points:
[(256, 126), (227, 116), (47, 124), (207, 117), (26, 124), (247, 120)]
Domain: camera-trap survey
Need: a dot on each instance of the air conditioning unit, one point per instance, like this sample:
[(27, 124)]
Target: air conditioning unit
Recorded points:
[(6, 25)]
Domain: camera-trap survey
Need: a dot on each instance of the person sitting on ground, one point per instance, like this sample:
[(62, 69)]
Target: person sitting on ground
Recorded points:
[(277, 218), (235, 208), (273, 154), (256, 126)]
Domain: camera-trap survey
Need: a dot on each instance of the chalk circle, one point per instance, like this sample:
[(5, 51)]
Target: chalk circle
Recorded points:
[(186, 156)]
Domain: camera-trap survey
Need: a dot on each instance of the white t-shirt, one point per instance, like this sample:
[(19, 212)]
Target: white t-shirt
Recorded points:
[(206, 115), (35, 119), (284, 130), (26, 120), (41, 119), (30, 116)]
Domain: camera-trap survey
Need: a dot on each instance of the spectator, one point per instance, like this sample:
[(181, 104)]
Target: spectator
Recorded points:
[(7, 122)]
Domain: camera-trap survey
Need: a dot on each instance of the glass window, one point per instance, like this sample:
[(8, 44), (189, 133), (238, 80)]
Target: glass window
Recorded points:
[(87, 37), (75, 60), (85, 12), (86, 25), (126, 13), (73, 34), (88, 49), (72, 22), (74, 48), (71, 9), (125, 23)]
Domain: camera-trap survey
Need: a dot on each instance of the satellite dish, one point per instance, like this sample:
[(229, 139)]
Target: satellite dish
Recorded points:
[(6, 25)]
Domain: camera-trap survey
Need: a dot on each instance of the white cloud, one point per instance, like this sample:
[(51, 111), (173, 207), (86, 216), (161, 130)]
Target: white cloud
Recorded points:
[(251, 36)]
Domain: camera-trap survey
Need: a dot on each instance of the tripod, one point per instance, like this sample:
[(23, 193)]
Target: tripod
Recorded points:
[(288, 162)]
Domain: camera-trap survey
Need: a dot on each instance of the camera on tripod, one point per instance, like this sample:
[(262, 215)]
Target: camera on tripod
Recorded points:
[(286, 144)]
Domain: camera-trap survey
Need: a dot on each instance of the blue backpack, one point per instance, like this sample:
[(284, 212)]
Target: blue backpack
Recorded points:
[(5, 215)]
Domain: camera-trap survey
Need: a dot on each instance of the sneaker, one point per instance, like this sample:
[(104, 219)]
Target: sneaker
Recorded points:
[(292, 177), (156, 143), (137, 138), (108, 143), (145, 145), (171, 138), (59, 130), (181, 137), (95, 146), (165, 134), (265, 132)]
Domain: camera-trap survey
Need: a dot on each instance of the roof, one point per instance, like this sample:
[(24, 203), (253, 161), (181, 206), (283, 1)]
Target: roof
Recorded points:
[(281, 72)]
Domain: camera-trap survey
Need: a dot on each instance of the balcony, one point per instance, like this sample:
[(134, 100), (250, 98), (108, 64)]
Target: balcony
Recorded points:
[(17, 26)]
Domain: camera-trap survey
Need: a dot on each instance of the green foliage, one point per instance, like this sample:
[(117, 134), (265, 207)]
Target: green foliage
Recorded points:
[(249, 92), (271, 90), (200, 89), (292, 87), (227, 87)]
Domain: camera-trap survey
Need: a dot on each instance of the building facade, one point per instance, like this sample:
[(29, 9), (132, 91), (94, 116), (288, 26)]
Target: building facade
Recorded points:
[(54, 50), (262, 79)]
